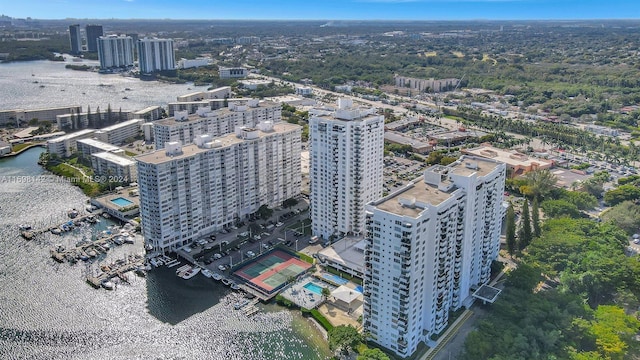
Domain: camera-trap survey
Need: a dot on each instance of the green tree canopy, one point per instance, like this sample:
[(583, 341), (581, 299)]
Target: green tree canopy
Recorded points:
[(622, 193), (373, 354), (344, 338)]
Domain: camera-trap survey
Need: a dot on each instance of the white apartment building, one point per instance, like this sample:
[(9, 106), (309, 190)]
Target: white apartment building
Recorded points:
[(429, 246), (65, 145), (222, 92), (346, 160), (88, 147), (183, 128), (155, 55), (118, 133), (189, 192), (232, 73), (115, 51), (114, 167)]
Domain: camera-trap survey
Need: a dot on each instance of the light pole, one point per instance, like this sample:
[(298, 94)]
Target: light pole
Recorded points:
[(260, 246), (296, 245)]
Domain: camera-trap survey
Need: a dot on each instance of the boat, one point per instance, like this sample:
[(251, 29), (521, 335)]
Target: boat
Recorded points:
[(106, 216), (156, 262), (189, 273), (226, 281), (182, 269), (216, 276), (240, 304), (118, 240), (25, 227), (109, 285), (73, 213), (140, 271), (92, 253), (124, 98), (56, 231), (207, 273)]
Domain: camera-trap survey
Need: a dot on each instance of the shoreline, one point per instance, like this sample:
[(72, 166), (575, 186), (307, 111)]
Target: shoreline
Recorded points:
[(16, 153)]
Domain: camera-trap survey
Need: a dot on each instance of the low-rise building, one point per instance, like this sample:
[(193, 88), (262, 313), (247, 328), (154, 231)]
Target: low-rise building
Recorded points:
[(65, 146), (88, 147), (217, 93), (304, 90), (150, 113), (417, 146), (517, 163), (20, 117), (114, 168), (118, 133), (345, 255), (232, 73), (5, 148)]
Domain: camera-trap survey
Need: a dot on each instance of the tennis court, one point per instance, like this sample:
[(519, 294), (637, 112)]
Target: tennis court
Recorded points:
[(270, 271)]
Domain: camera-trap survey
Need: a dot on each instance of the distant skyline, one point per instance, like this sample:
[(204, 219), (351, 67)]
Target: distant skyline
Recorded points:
[(324, 9)]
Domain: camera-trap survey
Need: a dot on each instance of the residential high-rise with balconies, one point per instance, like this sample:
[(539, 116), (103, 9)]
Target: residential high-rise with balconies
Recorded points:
[(189, 192), (155, 55), (115, 51), (429, 246), (184, 128), (346, 160)]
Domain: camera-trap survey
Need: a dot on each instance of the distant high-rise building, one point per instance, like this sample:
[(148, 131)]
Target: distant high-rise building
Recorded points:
[(346, 158), (429, 245), (75, 38), (93, 33), (115, 51), (155, 55), (189, 192)]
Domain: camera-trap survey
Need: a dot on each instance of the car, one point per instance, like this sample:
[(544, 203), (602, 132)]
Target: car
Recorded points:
[(265, 246), (224, 243), (208, 261), (251, 253), (217, 256), (222, 267), (278, 224), (636, 241), (187, 249), (288, 243)]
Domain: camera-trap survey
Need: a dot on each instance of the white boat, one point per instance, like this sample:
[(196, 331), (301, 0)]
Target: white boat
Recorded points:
[(130, 239), (240, 304), (189, 273), (155, 262), (24, 227), (207, 273), (108, 285), (216, 276), (226, 281), (182, 269)]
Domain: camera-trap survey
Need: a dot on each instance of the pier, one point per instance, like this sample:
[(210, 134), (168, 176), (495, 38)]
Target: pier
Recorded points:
[(119, 268), (58, 229), (85, 251)]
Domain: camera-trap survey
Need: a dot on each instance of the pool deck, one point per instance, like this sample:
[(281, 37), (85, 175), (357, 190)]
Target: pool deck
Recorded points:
[(104, 202), (303, 297)]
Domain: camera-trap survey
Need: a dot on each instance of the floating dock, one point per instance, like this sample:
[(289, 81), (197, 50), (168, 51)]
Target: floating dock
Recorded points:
[(119, 268)]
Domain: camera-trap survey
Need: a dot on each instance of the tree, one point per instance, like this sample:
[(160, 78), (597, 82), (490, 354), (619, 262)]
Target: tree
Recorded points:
[(289, 203), (560, 208), (264, 212), (372, 354), (539, 183), (326, 292), (511, 230), (524, 238), (524, 277), (344, 338), (622, 193), (625, 215), (535, 218)]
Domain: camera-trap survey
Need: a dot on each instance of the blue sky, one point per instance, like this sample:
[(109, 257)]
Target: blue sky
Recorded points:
[(324, 9)]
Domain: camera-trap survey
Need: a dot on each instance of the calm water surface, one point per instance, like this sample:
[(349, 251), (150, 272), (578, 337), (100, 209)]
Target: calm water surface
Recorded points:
[(43, 84), (49, 312)]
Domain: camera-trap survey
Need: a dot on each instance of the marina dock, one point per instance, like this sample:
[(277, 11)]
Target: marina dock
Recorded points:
[(119, 269), (30, 234)]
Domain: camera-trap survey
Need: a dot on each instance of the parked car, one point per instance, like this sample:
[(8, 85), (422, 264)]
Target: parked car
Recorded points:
[(217, 256), (251, 253), (222, 267)]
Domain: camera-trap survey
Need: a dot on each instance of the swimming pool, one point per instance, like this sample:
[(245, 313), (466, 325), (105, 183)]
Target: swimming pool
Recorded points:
[(335, 279), (359, 289), (121, 202), (315, 288)]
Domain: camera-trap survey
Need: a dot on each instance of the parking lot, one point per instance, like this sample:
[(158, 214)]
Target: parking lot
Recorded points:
[(398, 171), (228, 248)]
